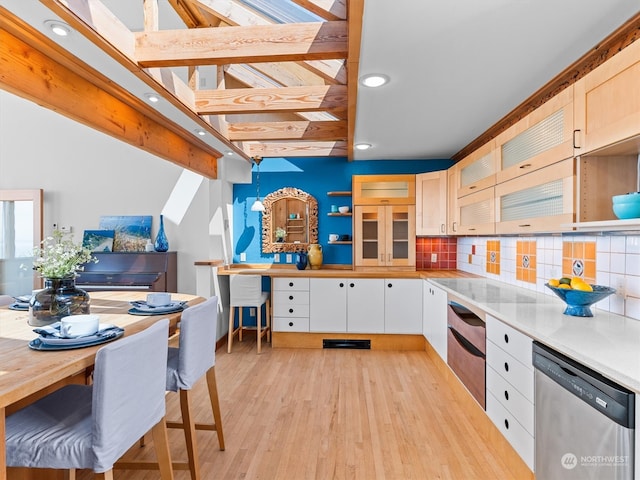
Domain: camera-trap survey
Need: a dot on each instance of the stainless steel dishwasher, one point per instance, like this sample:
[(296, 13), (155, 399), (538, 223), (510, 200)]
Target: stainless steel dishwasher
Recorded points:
[(584, 421)]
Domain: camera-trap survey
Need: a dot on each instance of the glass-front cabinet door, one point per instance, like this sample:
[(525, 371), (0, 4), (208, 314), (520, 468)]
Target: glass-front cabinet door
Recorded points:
[(384, 236)]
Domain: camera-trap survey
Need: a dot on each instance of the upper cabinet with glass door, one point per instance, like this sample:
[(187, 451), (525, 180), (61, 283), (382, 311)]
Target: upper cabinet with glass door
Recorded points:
[(542, 138), (384, 189), (477, 170)]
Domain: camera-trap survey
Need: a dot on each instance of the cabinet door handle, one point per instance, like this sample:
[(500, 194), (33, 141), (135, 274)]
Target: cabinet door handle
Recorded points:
[(506, 338), (341, 285), (524, 225), (526, 165), (575, 136), (352, 285), (453, 227), (442, 227), (506, 395), (506, 423), (389, 285), (472, 187), (506, 367)]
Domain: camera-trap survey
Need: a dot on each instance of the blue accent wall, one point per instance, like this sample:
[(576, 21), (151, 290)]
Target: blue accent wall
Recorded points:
[(316, 176)]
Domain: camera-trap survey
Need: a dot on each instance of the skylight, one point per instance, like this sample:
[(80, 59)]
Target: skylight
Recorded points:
[(282, 11)]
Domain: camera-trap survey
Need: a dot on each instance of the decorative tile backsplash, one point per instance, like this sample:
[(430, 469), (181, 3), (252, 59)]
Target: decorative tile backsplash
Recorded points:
[(493, 257), (444, 249), (529, 262)]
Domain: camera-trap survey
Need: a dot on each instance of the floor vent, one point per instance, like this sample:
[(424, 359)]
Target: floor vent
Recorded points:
[(335, 343)]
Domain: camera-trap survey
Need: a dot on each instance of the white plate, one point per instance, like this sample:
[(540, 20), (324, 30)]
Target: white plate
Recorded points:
[(80, 340)]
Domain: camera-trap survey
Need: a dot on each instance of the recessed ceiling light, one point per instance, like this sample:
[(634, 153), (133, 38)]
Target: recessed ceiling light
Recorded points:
[(152, 97), (374, 80), (59, 28), (362, 146), (200, 132)]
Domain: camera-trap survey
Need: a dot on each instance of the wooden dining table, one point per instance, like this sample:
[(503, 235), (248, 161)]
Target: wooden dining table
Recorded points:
[(26, 374)]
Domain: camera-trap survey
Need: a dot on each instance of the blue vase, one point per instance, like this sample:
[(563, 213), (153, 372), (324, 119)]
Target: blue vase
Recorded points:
[(301, 264), (161, 244)]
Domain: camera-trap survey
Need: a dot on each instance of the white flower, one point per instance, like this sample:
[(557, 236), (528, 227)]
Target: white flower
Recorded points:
[(60, 258)]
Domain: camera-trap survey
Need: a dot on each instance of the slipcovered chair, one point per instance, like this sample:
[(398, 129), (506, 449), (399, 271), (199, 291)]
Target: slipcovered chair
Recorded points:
[(193, 359), (246, 291), (6, 300), (91, 426)]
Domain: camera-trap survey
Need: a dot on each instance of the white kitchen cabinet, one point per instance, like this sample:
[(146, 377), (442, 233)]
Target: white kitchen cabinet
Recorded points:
[(510, 386), (434, 318), (328, 305), (365, 305), (431, 203), (290, 304), (403, 305)]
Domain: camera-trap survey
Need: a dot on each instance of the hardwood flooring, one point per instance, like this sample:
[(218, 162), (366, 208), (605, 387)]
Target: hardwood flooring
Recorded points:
[(339, 414)]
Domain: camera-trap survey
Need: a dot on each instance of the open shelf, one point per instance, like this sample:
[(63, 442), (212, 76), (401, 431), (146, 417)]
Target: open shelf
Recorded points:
[(338, 214), (339, 194), (341, 242)]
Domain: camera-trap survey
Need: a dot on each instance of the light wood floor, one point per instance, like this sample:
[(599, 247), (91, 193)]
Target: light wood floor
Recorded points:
[(338, 414)]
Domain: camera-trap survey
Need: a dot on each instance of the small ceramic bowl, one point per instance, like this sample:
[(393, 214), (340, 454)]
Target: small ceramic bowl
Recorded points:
[(627, 206), (343, 209)]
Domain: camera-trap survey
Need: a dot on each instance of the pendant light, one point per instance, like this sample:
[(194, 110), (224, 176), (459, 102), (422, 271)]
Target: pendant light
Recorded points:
[(257, 205)]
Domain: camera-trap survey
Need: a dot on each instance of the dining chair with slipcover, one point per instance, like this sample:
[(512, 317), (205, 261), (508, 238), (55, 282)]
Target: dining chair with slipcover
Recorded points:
[(246, 291), (92, 426), (193, 359)]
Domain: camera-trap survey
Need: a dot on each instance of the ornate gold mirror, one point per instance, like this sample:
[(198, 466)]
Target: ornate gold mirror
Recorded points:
[(289, 221)]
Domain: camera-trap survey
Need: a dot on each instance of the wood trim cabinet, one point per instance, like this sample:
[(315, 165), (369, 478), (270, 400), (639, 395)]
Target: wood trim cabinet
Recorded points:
[(540, 201), (476, 214), (477, 171), (607, 103), (385, 236), (431, 203), (542, 138), (384, 189)]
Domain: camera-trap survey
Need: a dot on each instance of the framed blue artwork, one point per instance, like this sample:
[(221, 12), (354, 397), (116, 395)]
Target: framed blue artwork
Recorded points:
[(98, 240), (131, 231)]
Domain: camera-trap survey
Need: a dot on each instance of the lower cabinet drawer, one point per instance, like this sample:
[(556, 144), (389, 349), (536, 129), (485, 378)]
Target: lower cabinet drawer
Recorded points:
[(280, 310), (515, 372), (290, 324), (467, 362), (511, 399), (521, 440)]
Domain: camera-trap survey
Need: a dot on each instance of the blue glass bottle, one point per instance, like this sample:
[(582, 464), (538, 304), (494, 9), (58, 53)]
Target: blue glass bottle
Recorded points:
[(161, 244)]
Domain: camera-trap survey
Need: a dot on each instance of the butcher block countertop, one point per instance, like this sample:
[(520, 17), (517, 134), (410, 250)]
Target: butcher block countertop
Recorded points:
[(330, 271)]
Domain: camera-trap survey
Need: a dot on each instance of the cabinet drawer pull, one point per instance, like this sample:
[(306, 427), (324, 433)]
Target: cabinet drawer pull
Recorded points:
[(526, 165), (506, 423), (291, 284), (341, 284), (291, 310), (473, 187), (506, 395), (506, 338), (291, 324), (524, 225), (506, 367), (290, 297)]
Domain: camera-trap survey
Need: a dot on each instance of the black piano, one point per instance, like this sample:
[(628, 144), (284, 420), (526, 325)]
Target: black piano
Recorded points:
[(137, 271)]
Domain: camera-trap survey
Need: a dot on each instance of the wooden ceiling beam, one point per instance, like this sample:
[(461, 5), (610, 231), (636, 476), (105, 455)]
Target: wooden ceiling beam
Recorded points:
[(270, 100), (297, 149), (310, 131), (356, 12), (237, 14), (29, 73), (192, 16), (258, 43)]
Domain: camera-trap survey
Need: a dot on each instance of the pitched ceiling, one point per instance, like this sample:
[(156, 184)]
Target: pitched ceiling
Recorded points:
[(279, 78)]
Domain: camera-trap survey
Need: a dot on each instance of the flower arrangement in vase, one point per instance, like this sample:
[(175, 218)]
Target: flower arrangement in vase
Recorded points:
[(58, 260), (281, 234)]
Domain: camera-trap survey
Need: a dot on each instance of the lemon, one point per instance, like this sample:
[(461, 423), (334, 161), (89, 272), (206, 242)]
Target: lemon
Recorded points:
[(583, 286), (554, 282), (566, 286), (576, 281), (566, 280)]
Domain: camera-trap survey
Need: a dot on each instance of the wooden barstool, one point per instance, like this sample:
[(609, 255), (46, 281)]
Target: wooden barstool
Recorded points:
[(246, 291)]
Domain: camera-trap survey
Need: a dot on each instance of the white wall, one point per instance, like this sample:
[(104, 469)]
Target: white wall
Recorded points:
[(86, 174)]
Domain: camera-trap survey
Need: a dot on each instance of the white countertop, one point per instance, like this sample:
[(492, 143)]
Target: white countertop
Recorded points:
[(606, 342)]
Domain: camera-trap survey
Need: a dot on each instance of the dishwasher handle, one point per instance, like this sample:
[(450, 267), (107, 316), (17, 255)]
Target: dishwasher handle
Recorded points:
[(618, 405)]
